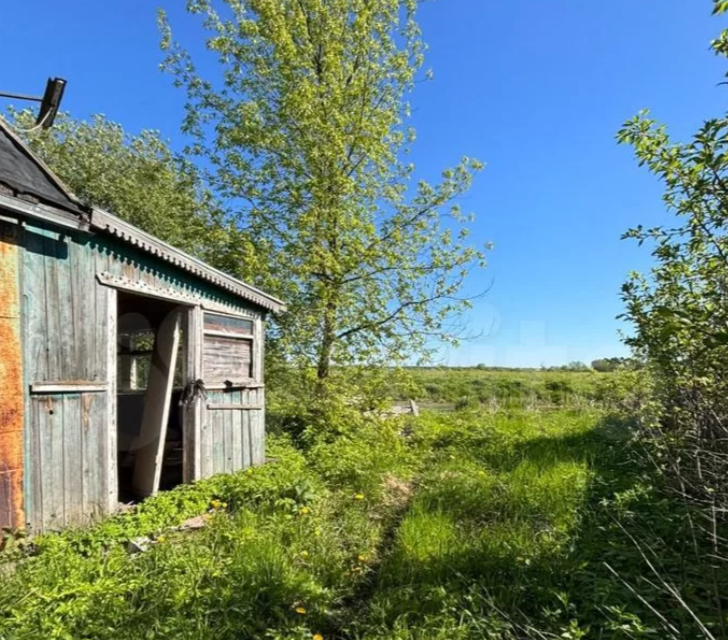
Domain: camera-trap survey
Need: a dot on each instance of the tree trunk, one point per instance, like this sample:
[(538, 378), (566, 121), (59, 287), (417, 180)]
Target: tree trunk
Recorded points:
[(328, 337)]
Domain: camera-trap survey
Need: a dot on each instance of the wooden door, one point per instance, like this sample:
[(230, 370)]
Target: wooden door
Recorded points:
[(232, 429)]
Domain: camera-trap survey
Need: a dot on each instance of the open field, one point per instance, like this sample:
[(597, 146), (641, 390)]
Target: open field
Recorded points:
[(511, 389), (471, 524)]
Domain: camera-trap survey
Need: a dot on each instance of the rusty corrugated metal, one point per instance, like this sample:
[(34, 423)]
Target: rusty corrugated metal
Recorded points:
[(11, 388)]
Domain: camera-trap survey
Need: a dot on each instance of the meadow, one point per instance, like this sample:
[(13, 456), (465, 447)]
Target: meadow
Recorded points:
[(439, 387), (500, 519)]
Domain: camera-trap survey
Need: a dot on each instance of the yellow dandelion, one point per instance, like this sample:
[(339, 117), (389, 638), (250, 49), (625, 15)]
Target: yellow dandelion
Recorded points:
[(223, 505), (161, 538), (304, 554), (301, 610), (361, 558), (304, 510), (215, 504), (317, 636), (359, 496)]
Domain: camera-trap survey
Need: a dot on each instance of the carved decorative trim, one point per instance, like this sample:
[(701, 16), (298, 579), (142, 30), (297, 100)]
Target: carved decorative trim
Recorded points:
[(168, 293), (146, 242)]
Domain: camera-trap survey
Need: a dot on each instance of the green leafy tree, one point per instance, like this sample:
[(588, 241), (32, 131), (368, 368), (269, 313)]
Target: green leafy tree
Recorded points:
[(142, 181), (306, 127)]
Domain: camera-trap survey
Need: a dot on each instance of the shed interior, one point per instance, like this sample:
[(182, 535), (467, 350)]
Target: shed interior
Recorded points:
[(143, 373)]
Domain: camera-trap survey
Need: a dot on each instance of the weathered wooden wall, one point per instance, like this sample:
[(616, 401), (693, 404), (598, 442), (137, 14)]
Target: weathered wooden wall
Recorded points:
[(68, 321), (69, 338)]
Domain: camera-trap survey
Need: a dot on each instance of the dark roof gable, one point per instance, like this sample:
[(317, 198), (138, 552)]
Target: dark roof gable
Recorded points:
[(25, 175)]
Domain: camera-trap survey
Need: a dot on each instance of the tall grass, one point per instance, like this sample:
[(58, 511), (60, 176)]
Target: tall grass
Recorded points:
[(463, 525)]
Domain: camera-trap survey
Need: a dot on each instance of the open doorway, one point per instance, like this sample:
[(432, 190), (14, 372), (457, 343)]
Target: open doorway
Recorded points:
[(151, 347)]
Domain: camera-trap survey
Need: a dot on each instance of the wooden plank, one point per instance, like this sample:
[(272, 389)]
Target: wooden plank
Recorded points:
[(83, 301), (34, 287), (68, 364), (88, 462), (228, 334), (72, 460), (234, 407), (69, 387), (43, 212), (105, 413), (227, 421), (11, 483), (236, 445), (206, 441), (193, 412), (97, 475), (218, 442), (261, 425), (36, 515), (52, 308), (258, 434), (247, 448), (234, 384), (259, 351), (259, 360), (237, 312), (148, 464), (50, 421), (102, 368)]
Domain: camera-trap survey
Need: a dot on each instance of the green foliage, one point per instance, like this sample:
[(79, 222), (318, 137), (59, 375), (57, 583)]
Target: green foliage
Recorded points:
[(306, 129), (679, 312)]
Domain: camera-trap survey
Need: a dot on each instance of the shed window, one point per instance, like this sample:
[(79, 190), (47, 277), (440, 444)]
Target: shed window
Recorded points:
[(227, 352), (228, 324), (135, 357)]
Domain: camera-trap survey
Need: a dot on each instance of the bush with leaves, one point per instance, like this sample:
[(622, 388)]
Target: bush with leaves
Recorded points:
[(680, 312)]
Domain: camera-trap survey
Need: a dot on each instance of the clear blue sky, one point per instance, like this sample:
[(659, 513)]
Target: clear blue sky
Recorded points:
[(535, 88)]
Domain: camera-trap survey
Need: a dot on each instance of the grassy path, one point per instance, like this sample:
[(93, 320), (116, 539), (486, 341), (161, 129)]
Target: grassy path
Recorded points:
[(487, 539), (472, 526)]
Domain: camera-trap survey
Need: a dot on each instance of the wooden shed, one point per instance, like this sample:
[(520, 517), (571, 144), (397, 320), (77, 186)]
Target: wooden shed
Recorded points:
[(126, 365)]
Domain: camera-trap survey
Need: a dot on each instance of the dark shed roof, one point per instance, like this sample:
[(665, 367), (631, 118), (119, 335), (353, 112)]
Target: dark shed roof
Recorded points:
[(23, 174)]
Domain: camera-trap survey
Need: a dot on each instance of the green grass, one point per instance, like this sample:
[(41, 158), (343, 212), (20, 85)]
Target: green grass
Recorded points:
[(470, 525)]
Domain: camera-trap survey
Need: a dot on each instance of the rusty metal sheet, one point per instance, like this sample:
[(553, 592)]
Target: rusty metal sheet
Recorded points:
[(11, 387)]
